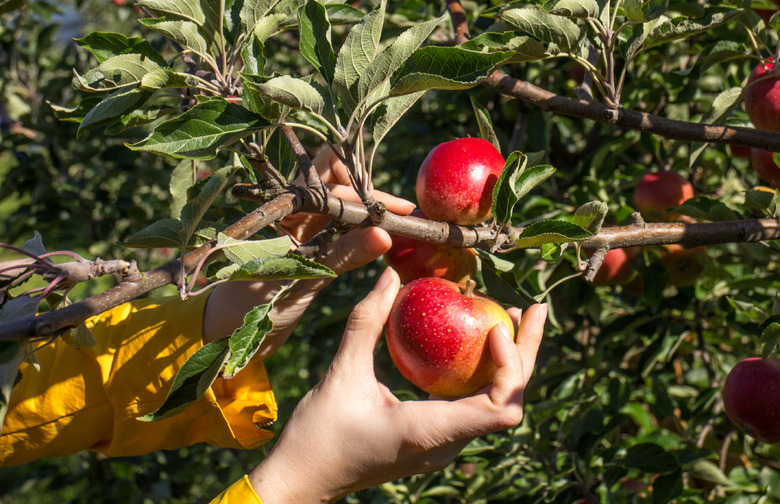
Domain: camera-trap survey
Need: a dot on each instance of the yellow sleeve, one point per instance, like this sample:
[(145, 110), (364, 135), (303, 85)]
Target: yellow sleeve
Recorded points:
[(89, 398), (240, 492)]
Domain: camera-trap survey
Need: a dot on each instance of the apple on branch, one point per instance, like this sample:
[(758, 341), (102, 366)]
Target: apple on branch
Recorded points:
[(456, 179), (763, 162), (762, 96), (750, 398), (437, 335), (658, 191), (413, 258), (616, 268)]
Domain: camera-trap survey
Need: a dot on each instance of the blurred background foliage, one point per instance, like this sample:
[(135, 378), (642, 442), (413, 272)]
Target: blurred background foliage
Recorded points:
[(624, 405)]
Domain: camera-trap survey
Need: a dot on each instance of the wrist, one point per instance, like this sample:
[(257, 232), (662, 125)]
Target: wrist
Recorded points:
[(278, 485)]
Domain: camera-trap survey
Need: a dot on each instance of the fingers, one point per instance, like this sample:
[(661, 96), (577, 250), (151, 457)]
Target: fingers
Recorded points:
[(356, 248), (529, 337), (366, 322), (393, 203)]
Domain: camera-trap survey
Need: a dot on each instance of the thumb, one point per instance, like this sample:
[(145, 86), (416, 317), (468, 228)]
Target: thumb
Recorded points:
[(365, 324)]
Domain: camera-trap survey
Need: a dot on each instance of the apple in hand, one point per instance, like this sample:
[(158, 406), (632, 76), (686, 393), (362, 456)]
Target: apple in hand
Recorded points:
[(616, 268), (762, 97), (658, 191), (763, 162), (437, 334), (751, 395), (413, 259), (455, 182)]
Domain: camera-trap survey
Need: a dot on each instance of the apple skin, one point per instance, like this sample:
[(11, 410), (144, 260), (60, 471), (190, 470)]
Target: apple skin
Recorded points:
[(456, 179), (762, 98), (739, 151), (658, 191), (682, 264), (413, 259), (763, 163), (438, 336), (750, 398), (616, 268)]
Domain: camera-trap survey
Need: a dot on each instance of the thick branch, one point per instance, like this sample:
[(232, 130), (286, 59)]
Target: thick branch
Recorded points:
[(50, 323), (632, 119)]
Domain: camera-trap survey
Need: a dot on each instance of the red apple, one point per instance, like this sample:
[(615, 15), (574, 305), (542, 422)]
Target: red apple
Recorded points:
[(437, 335), (455, 182), (616, 268), (751, 395), (682, 264), (763, 162), (413, 258), (739, 151), (762, 97), (658, 191)]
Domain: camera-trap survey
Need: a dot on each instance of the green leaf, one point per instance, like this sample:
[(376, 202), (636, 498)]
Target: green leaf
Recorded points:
[(19, 308), (552, 252), (35, 244), (770, 337), (292, 92), (722, 106), (515, 181), (485, 124), (763, 202), (196, 208), (246, 340), (650, 458), (253, 57), (185, 33), (585, 9), (705, 208), (392, 58), (7, 6), (115, 72), (504, 195), (444, 68), (667, 487), (104, 45), (166, 78), (720, 52), (314, 38), (645, 10), (287, 267), (254, 12), (669, 30), (550, 231), (193, 379), (79, 337), (163, 233), (201, 131), (356, 54), (706, 470), (494, 41), (243, 251), (77, 113), (183, 176), (387, 115), (547, 28), (280, 154), (113, 107), (590, 216)]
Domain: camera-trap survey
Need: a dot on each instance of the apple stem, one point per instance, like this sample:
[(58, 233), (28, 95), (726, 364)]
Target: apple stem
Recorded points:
[(470, 285)]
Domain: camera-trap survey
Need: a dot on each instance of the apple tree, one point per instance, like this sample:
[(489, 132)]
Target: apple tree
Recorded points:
[(191, 127)]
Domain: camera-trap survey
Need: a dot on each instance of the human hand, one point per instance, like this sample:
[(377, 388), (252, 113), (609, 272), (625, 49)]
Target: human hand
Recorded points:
[(230, 301), (350, 432)]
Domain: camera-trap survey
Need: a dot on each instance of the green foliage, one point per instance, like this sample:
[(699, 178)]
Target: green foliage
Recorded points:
[(624, 403)]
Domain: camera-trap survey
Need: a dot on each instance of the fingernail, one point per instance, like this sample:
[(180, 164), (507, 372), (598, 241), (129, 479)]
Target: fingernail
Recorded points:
[(542, 313), (504, 331), (384, 280)]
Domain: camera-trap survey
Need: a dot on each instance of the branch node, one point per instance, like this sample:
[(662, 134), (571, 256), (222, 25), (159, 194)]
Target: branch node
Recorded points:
[(595, 262), (637, 220)]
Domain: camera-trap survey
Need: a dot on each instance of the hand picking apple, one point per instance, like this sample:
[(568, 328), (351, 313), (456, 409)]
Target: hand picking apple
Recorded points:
[(350, 432), (438, 336)]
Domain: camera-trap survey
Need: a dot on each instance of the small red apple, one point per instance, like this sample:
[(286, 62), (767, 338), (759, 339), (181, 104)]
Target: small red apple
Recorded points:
[(658, 191), (750, 398), (455, 182), (437, 335), (616, 268), (762, 96), (763, 162), (739, 151), (682, 264), (413, 258)]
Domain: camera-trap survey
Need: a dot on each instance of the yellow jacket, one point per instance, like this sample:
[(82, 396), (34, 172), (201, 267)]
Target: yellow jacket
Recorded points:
[(89, 398)]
